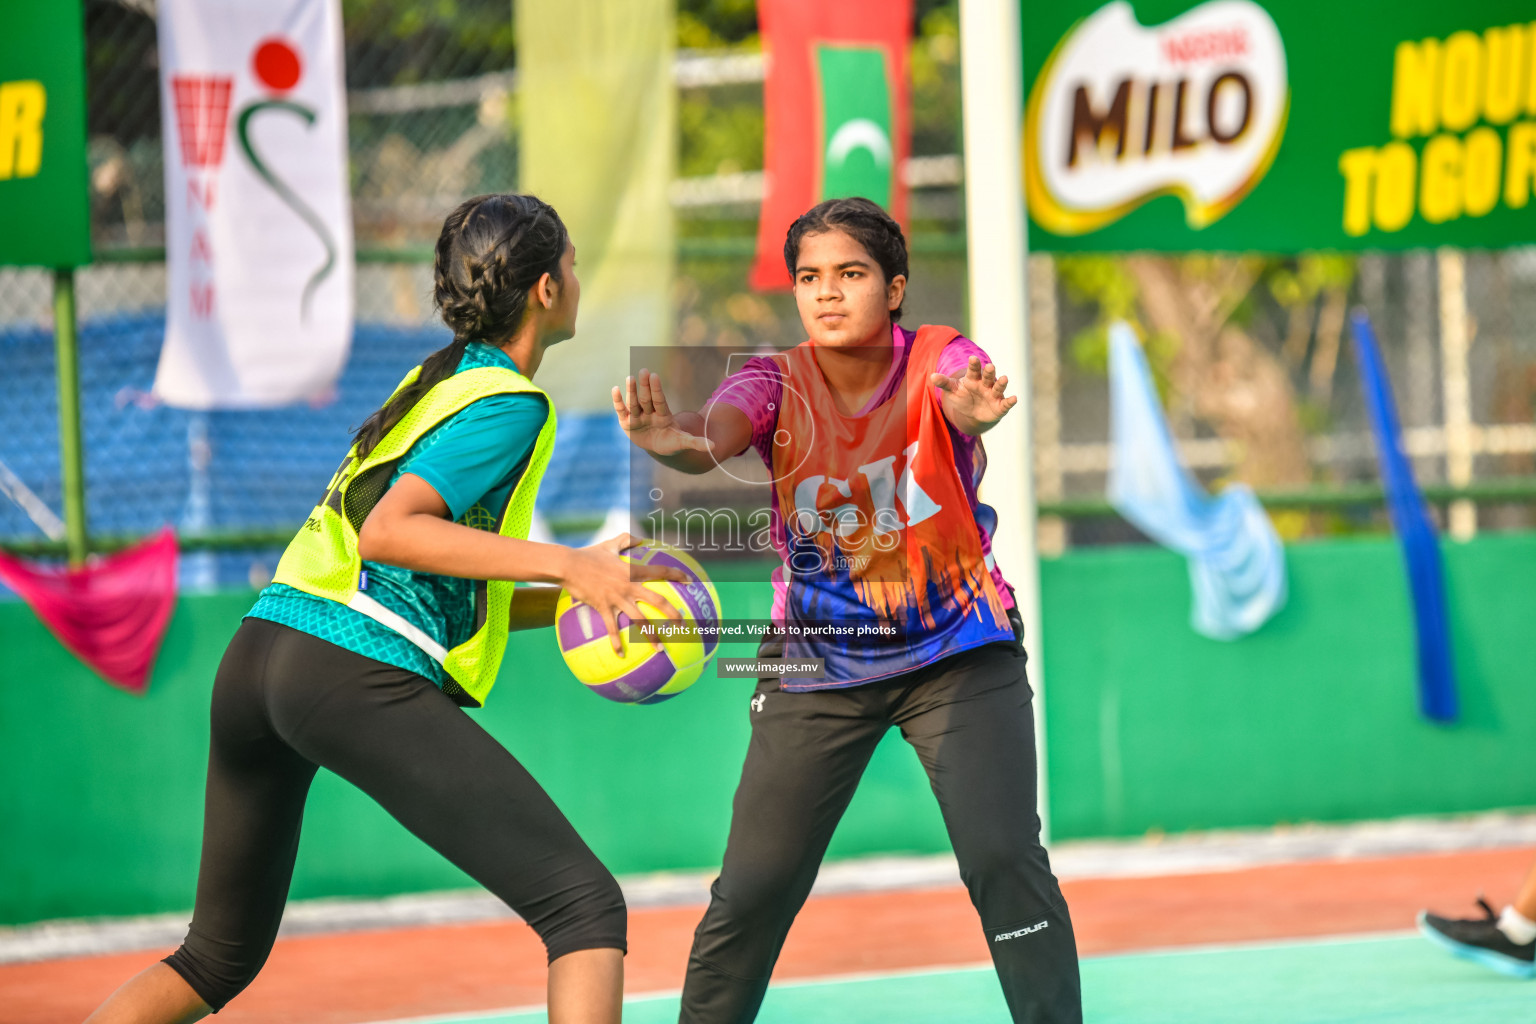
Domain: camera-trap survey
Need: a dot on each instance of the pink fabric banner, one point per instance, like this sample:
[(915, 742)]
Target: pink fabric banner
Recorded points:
[(110, 613)]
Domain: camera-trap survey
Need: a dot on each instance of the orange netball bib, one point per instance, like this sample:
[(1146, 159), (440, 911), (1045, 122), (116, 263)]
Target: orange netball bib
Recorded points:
[(884, 566)]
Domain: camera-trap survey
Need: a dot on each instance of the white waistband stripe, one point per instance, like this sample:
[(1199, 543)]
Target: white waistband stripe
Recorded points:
[(378, 613)]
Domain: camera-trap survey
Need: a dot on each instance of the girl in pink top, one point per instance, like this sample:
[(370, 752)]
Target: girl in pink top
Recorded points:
[(871, 435)]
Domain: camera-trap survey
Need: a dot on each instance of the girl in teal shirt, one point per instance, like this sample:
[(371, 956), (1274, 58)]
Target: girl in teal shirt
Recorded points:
[(310, 682)]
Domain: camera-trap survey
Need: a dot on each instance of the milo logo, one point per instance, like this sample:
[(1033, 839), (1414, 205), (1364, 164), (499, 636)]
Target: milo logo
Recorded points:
[(1122, 112)]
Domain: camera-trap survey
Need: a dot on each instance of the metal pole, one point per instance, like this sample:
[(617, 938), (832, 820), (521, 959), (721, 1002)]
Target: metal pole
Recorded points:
[(71, 447), (1045, 374), (992, 85), (1455, 382)]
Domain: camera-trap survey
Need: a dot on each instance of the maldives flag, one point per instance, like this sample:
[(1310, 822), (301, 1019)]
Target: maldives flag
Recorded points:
[(836, 110)]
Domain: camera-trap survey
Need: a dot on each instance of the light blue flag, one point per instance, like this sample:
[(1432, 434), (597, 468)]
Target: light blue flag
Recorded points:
[(1236, 561)]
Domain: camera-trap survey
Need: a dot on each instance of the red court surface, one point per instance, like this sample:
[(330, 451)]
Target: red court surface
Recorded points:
[(360, 976)]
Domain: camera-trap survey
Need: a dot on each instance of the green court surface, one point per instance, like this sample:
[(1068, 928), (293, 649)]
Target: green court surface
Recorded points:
[(1390, 980)]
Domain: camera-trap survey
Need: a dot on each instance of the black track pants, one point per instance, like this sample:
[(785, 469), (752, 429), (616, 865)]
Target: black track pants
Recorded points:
[(285, 703), (969, 719)]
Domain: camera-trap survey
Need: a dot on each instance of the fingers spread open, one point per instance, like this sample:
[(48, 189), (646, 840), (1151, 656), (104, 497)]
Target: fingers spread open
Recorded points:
[(657, 397), (637, 618), (643, 389), (612, 622), (618, 543), (659, 602), (632, 397), (629, 606), (645, 573)]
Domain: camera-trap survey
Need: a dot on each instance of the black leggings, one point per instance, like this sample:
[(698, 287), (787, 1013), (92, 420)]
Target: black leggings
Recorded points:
[(969, 719), (285, 703)]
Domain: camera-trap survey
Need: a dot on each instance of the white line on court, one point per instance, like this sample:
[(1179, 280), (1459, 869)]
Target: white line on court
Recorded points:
[(478, 1016), (1248, 945), (1142, 857), (472, 1016), (646, 997)]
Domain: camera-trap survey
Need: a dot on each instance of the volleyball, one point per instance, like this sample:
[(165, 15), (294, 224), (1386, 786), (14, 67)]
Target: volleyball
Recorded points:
[(642, 674)]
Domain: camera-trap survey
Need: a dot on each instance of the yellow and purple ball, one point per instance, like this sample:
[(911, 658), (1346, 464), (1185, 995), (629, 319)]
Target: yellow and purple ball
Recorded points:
[(642, 674)]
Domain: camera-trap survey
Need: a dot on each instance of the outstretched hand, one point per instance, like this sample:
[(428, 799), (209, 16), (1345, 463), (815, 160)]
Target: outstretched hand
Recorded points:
[(974, 400), (648, 421)]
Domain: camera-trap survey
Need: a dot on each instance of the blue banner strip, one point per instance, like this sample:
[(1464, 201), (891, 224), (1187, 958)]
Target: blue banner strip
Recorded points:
[(1415, 530)]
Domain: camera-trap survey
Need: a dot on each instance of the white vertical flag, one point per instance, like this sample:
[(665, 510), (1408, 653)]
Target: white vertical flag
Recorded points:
[(258, 217)]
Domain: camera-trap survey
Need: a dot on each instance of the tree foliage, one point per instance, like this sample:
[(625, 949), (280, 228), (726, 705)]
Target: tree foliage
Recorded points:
[(1247, 346), (394, 42)]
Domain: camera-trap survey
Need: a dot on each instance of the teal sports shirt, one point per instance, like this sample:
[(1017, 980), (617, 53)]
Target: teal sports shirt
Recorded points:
[(472, 460)]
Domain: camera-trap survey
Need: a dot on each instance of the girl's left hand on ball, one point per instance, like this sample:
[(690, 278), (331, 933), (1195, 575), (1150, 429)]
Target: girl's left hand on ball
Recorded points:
[(598, 576)]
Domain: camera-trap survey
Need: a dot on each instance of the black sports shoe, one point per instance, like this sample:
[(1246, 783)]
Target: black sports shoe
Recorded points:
[(1479, 940)]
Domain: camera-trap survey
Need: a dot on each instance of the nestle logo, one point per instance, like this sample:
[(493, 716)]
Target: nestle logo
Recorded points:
[(1211, 44)]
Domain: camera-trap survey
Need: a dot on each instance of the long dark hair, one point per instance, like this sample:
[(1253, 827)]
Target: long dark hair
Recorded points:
[(865, 222), (492, 250)]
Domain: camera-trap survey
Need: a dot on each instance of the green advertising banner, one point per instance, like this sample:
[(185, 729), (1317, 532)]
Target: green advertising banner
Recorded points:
[(44, 202), (1279, 126)]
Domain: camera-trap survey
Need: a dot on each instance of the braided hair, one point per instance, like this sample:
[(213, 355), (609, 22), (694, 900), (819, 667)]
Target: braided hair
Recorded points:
[(493, 249)]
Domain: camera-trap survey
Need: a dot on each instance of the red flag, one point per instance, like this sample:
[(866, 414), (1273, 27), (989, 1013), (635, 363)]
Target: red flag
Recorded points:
[(836, 111), (111, 613)]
